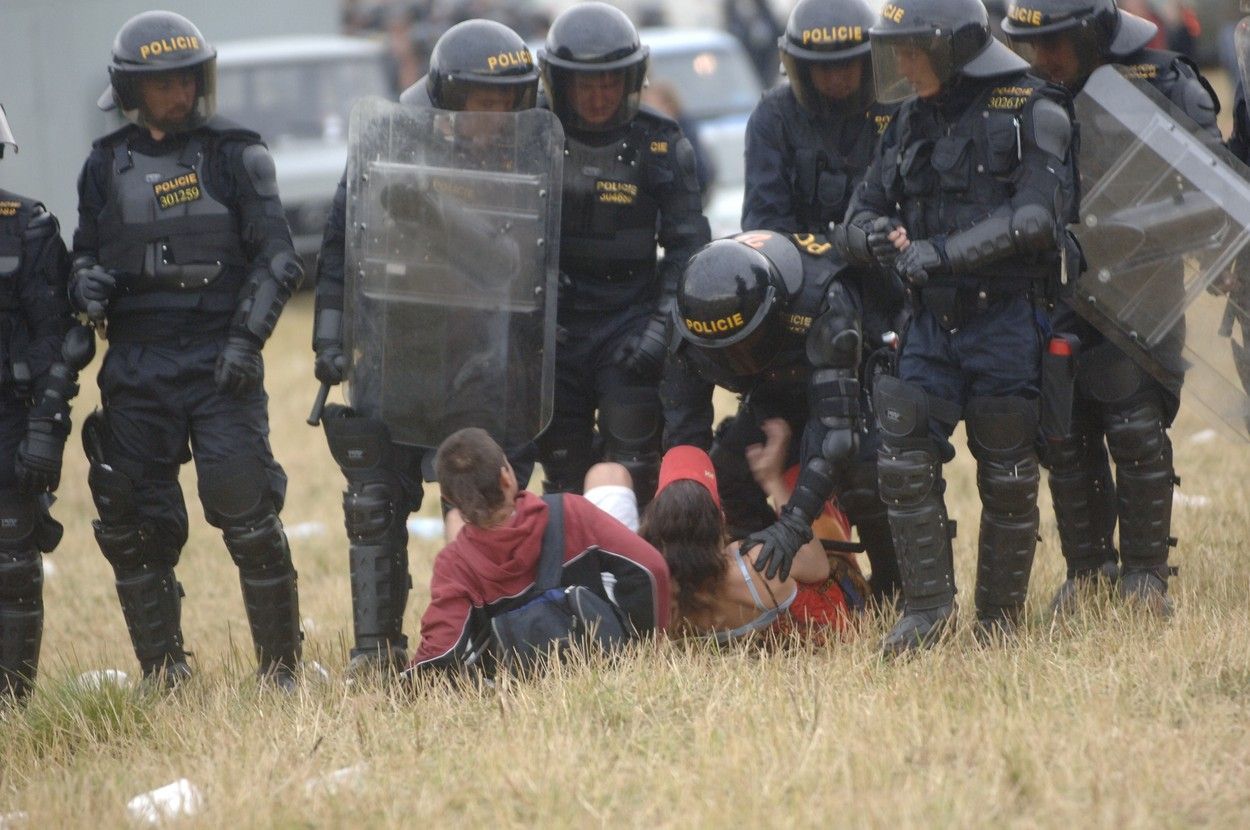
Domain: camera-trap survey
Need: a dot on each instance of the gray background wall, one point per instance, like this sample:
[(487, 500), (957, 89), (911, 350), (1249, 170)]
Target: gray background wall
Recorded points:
[(56, 54)]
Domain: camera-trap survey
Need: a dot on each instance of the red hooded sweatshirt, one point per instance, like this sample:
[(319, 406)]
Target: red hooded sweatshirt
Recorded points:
[(481, 567)]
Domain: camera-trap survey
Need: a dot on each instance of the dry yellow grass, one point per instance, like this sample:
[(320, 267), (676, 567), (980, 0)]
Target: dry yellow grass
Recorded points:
[(1112, 720)]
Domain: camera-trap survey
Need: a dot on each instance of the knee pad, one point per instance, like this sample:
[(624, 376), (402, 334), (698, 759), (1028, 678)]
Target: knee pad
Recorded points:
[(127, 542), (860, 496), (19, 519), (371, 510), (631, 423), (902, 411), (907, 477), (21, 577), (1107, 375), (1135, 431), (236, 498), (356, 443), (1001, 428)]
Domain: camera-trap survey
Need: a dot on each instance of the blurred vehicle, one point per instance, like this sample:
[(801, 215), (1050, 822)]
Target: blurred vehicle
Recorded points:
[(297, 92), (718, 88)]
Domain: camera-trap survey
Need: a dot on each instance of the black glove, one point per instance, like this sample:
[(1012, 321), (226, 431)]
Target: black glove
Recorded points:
[(91, 289), (642, 353), (239, 367), (923, 259), (331, 363), (879, 243), (38, 461), (779, 543)]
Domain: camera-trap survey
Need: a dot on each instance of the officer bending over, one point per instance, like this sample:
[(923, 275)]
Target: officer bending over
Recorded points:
[(183, 251), (774, 318)]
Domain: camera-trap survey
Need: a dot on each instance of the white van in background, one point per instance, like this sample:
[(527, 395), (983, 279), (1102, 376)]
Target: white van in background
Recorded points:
[(297, 91)]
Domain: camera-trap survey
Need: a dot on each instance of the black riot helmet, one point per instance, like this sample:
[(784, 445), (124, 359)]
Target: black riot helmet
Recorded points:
[(1097, 30), (916, 43), (157, 43), (732, 300), (595, 47), (827, 33), (481, 53), (6, 134)]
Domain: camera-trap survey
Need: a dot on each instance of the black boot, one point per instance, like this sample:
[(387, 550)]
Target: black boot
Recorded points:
[(862, 503), (1144, 483), (151, 601), (21, 629), (1001, 433), (911, 483), (272, 606), (1083, 493), (380, 585)]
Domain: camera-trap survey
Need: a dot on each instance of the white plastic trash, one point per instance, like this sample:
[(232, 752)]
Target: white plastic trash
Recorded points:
[(306, 530), (99, 678), (179, 798), (332, 782), (425, 527)]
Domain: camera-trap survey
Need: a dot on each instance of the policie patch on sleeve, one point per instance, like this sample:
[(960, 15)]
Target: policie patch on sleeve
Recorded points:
[(9, 208), (180, 190)]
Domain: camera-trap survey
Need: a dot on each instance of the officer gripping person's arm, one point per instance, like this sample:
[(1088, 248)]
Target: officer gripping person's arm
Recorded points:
[(832, 433), (274, 268)]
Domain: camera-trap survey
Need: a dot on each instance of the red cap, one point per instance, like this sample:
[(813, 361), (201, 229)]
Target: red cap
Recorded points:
[(686, 463)]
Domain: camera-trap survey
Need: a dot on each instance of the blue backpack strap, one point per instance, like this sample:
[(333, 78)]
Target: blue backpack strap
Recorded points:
[(551, 561)]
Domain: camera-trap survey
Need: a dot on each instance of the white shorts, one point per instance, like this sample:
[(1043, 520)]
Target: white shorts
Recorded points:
[(618, 501)]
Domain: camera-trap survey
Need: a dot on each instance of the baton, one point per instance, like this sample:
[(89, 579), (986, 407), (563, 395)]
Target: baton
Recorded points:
[(314, 417)]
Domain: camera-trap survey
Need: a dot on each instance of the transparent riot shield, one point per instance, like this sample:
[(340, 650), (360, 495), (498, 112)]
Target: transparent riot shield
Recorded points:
[(1241, 41), (1165, 216), (453, 223)]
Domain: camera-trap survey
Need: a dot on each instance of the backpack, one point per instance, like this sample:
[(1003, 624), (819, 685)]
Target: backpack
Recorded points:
[(549, 620)]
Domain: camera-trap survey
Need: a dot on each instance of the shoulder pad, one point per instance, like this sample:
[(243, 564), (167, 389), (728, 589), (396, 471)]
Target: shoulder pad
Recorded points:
[(1052, 127), (655, 120), (225, 128), (42, 224), (1195, 95), (260, 170), (418, 95)]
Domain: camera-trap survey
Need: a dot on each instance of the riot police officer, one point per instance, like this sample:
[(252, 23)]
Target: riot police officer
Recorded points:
[(629, 181), (809, 141), (967, 199), (43, 351), (1119, 408), (774, 318), (183, 251), (384, 478)]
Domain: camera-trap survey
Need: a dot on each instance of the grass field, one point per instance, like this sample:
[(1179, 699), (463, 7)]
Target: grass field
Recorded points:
[(1113, 720)]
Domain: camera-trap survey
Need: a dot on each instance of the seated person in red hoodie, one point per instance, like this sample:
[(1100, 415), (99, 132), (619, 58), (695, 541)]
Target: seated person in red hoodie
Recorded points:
[(494, 557)]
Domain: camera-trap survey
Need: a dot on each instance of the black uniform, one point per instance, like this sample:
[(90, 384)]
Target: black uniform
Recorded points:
[(384, 478), (36, 384), (981, 175), (801, 167), (193, 231), (805, 384), (624, 191)]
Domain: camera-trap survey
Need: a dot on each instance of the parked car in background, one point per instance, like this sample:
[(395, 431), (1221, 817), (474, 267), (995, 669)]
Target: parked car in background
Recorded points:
[(297, 92), (717, 87)]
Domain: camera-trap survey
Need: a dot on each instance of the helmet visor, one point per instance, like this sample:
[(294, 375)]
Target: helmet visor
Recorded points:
[(173, 101), (503, 95), (919, 65), (1065, 57), (593, 100)]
